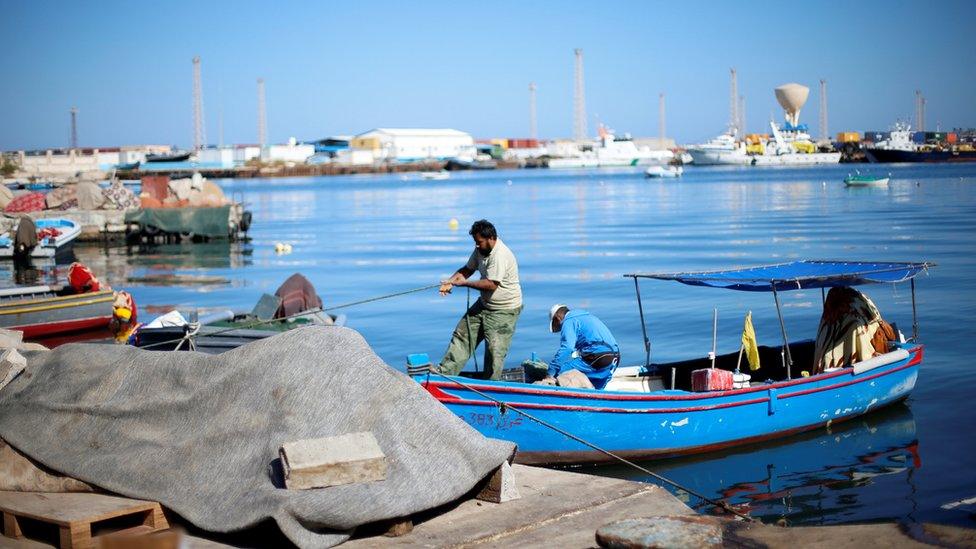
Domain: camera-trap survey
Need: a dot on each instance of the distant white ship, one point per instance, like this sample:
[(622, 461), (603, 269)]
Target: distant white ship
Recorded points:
[(614, 152), (790, 144), (724, 149)]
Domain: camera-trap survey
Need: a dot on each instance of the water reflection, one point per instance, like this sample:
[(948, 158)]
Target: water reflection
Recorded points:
[(861, 470)]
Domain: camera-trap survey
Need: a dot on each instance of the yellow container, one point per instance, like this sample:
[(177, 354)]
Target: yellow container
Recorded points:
[(365, 143), (503, 143), (804, 147), (848, 137)]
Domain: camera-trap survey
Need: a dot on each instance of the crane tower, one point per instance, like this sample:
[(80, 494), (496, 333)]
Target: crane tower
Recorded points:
[(824, 134), (733, 103), (199, 128), (661, 128), (579, 101), (74, 127), (533, 130), (262, 121)]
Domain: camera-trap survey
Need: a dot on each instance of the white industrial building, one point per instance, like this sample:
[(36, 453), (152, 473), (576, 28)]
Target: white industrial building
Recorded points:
[(291, 152), (412, 144)]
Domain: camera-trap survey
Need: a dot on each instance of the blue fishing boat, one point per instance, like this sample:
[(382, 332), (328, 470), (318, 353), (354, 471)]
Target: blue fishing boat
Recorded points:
[(662, 413)]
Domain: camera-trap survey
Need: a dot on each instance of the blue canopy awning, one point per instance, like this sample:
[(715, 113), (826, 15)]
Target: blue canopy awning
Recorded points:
[(798, 275)]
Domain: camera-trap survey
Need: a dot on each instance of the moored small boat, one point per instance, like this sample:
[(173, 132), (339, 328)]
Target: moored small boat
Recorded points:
[(295, 304), (54, 236), (663, 171), (438, 175), (660, 410), (859, 180), (169, 157), (42, 311)]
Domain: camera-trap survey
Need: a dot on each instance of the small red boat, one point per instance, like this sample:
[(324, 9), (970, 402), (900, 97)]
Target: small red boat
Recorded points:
[(41, 311)]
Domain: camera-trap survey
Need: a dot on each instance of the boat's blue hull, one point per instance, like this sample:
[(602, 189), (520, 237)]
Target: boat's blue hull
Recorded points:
[(668, 423)]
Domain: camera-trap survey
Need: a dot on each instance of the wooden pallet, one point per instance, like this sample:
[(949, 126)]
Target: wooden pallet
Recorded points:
[(74, 514)]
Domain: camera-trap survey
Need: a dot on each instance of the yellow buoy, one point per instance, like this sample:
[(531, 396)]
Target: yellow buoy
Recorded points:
[(453, 224)]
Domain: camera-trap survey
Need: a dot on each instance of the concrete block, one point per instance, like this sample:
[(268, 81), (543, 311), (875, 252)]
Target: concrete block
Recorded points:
[(11, 364), (332, 461), (575, 379), (10, 339), (501, 487)]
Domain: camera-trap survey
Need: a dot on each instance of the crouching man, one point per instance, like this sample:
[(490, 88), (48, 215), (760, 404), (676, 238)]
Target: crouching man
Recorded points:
[(585, 344)]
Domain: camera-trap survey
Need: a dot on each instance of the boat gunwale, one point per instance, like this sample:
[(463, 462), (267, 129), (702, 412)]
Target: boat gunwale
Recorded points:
[(914, 358), (41, 304)]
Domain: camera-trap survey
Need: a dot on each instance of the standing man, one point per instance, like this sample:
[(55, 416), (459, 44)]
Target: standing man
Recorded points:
[(585, 344), (492, 318)]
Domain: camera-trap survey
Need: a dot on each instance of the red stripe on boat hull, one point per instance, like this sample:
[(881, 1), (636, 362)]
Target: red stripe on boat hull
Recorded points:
[(46, 329)]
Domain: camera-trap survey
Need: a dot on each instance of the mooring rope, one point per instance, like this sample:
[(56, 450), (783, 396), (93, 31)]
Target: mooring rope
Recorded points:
[(309, 312), (505, 406)]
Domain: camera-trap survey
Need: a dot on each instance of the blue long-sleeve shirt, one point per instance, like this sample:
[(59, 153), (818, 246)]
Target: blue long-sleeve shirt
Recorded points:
[(582, 334)]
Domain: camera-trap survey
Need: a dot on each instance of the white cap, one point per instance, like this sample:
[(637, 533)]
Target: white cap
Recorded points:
[(552, 314)]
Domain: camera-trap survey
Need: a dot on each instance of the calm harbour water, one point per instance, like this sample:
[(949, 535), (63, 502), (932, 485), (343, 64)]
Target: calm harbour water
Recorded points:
[(576, 233)]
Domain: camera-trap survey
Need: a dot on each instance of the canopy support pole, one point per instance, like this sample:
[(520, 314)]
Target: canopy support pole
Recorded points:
[(914, 314), (714, 335), (782, 326), (647, 342)]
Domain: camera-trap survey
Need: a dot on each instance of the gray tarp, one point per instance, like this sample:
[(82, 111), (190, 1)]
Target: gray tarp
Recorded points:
[(198, 432), (213, 222)]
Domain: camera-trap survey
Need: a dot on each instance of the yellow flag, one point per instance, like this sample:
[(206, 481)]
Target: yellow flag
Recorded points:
[(749, 343)]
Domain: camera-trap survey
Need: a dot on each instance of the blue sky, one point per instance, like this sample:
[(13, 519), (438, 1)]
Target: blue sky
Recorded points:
[(342, 68)]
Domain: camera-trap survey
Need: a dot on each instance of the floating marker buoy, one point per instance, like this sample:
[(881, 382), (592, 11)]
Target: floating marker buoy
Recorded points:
[(282, 248), (509, 182), (453, 224)]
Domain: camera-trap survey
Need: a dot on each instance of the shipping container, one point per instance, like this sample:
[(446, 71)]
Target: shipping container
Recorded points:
[(918, 137), (848, 137), (952, 138)]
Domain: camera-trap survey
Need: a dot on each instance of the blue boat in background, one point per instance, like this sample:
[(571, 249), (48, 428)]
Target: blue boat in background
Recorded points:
[(660, 416)]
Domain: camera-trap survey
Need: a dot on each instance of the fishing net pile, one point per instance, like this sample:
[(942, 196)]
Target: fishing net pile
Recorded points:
[(200, 433)]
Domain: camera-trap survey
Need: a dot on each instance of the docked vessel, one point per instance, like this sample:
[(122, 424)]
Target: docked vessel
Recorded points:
[(858, 180), (177, 156), (724, 149), (656, 172), (55, 237), (613, 151), (899, 147), (789, 145), (660, 410)]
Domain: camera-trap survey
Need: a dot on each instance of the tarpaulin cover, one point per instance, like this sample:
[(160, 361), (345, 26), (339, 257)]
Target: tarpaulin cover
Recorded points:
[(200, 433), (211, 222), (798, 275), (297, 295)]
